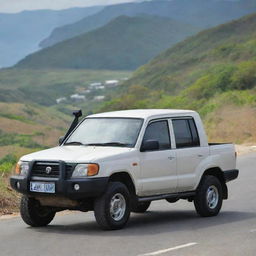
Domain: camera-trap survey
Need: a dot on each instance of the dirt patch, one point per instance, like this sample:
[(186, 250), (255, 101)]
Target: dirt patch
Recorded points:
[(9, 199), (232, 124), (9, 204), (9, 216)]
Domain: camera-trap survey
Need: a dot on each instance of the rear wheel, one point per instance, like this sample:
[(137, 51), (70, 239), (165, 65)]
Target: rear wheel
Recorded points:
[(172, 200), (141, 207), (34, 214), (112, 209), (209, 196)]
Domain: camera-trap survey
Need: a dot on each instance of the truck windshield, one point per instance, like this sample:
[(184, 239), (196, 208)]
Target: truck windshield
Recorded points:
[(122, 132)]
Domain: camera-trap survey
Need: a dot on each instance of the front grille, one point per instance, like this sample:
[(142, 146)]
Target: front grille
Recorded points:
[(39, 169), (69, 171)]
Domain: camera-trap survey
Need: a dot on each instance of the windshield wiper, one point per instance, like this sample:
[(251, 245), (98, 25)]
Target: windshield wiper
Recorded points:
[(117, 144), (74, 143)]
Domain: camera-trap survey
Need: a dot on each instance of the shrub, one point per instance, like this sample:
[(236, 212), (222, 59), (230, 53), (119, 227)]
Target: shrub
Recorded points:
[(7, 163)]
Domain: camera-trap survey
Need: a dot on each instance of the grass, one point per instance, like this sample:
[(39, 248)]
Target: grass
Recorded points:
[(22, 140)]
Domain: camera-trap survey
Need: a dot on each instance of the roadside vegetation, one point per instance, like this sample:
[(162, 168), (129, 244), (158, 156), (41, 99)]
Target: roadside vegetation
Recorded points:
[(8, 198)]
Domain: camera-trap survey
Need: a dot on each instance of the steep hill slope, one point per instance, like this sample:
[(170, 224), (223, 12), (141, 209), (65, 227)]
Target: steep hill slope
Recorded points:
[(212, 72), (199, 13), (123, 44), (20, 33), (228, 43)]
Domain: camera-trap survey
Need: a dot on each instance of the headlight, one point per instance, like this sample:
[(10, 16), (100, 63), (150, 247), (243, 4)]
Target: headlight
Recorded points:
[(22, 168), (84, 170)]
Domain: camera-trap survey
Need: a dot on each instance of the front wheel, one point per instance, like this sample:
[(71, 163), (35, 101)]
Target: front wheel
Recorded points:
[(209, 197), (34, 214), (112, 209)]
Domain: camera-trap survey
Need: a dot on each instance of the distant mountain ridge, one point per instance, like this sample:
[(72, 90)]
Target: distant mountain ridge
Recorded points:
[(20, 33), (199, 13), (125, 43)]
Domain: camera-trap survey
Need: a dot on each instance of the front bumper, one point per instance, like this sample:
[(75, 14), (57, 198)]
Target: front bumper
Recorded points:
[(88, 187)]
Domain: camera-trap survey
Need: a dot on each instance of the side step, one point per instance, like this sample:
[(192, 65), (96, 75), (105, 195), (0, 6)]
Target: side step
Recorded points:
[(182, 195)]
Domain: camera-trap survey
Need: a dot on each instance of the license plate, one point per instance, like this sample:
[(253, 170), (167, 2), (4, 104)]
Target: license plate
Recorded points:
[(42, 187)]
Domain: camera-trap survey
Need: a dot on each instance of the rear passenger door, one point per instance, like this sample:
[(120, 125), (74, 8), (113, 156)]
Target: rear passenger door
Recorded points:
[(158, 167), (189, 152)]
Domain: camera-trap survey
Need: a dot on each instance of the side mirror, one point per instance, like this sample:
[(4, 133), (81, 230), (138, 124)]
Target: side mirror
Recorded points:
[(149, 145), (61, 139)]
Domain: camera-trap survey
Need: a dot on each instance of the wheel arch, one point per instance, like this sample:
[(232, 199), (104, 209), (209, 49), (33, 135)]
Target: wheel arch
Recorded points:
[(126, 179), (218, 173)]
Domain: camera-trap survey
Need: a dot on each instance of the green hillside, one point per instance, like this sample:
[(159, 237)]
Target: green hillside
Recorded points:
[(213, 72), (44, 86), (123, 44), (228, 43)]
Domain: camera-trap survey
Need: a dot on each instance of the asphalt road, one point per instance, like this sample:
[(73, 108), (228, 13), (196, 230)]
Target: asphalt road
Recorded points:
[(166, 229)]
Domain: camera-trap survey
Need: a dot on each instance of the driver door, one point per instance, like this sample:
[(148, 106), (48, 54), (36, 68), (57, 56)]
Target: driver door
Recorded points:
[(158, 167)]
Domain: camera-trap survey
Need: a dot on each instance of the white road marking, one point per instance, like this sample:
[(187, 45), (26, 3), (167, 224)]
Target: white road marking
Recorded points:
[(253, 230), (168, 250)]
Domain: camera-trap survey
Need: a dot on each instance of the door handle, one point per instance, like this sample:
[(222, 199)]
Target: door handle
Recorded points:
[(171, 157), (200, 155)]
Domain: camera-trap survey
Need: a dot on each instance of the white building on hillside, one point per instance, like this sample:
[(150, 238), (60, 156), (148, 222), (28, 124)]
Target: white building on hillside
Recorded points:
[(99, 98), (77, 97), (111, 83), (95, 85), (60, 100)]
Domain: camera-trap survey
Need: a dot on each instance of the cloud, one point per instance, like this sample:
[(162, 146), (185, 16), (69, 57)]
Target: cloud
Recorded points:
[(11, 6)]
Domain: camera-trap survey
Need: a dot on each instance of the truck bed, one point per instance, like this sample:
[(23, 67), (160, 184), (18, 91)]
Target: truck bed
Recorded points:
[(224, 154)]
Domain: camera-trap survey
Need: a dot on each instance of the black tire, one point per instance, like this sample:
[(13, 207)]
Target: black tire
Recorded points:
[(34, 214), (102, 207), (208, 204), (141, 207), (172, 200)]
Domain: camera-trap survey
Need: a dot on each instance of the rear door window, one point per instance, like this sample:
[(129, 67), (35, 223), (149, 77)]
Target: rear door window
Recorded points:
[(185, 133)]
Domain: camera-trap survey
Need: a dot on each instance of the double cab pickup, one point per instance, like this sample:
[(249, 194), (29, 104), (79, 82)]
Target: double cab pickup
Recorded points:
[(118, 162)]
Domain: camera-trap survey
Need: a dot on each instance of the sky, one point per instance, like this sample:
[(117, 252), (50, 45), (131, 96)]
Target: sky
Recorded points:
[(12, 6)]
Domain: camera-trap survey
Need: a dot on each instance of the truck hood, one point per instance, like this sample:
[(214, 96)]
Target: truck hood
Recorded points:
[(75, 154)]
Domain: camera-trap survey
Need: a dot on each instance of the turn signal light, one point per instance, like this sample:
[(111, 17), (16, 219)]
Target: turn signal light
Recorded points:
[(17, 169), (93, 169)]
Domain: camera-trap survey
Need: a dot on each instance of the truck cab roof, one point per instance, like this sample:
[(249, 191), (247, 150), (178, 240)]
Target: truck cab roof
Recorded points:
[(144, 113)]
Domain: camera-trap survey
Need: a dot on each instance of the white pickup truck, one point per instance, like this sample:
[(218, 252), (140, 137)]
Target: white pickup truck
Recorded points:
[(118, 162)]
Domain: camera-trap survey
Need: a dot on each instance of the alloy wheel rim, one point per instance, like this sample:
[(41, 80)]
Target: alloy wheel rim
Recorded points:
[(117, 207), (212, 197)]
